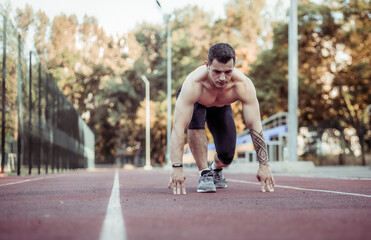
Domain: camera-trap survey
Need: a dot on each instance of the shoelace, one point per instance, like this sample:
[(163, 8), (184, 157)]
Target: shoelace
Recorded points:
[(219, 175), (205, 176)]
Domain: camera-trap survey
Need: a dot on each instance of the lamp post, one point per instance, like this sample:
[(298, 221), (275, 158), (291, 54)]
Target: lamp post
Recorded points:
[(168, 90), (293, 83), (148, 137), (169, 104)]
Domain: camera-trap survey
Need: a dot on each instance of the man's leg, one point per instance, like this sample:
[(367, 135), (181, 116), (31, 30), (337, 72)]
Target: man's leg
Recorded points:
[(221, 124), (218, 163), (198, 145)]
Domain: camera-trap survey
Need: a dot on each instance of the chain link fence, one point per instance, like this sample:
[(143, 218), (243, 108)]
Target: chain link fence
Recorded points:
[(41, 132)]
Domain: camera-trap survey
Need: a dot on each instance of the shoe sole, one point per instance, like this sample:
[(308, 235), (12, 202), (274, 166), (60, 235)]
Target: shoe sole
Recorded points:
[(221, 186), (206, 190)]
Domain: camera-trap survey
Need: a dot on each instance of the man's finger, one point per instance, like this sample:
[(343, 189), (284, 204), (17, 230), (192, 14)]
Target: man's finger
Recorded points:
[(170, 183), (183, 188), (174, 189), (270, 185), (258, 177), (262, 184), (273, 183), (177, 188)]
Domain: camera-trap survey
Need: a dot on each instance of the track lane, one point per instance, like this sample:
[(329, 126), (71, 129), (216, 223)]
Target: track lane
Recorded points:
[(60, 206), (241, 211), (73, 206)]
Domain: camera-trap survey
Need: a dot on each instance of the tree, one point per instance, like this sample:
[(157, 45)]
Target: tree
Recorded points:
[(334, 68), (24, 20), (191, 40), (150, 42), (352, 79), (42, 23), (101, 74), (243, 28), (269, 74)]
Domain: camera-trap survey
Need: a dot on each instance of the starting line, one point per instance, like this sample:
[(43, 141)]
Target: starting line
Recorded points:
[(305, 189)]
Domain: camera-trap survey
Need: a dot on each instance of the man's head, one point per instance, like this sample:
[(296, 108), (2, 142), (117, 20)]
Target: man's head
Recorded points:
[(223, 52), (220, 64)]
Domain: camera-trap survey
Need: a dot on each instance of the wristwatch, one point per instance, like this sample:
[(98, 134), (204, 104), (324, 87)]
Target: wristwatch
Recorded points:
[(175, 165)]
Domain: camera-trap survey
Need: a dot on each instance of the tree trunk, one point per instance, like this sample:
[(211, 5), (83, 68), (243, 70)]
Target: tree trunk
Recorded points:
[(362, 143)]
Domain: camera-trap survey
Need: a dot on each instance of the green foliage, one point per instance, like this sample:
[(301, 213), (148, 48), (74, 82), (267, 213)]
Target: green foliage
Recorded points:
[(269, 74), (101, 75), (334, 67)]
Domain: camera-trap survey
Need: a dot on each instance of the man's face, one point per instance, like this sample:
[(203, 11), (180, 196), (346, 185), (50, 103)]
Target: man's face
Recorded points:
[(220, 73)]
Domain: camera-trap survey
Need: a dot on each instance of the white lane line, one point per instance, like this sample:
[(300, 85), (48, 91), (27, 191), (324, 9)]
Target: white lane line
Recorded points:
[(28, 180), (305, 189), (113, 225), (330, 177)]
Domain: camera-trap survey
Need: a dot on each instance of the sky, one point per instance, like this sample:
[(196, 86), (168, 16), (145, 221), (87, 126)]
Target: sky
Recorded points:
[(118, 16)]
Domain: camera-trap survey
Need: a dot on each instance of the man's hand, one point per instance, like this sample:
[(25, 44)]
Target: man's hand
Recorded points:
[(177, 179), (265, 177)]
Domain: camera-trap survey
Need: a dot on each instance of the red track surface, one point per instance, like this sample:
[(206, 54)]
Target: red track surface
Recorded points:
[(73, 206)]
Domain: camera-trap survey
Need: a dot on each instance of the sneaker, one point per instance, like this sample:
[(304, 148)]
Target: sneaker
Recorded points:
[(206, 182), (219, 180)]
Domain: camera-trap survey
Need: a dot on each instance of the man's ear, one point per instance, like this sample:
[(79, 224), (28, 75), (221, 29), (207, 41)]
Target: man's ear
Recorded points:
[(207, 65)]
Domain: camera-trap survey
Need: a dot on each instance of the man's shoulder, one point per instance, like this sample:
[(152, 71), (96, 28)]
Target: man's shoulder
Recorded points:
[(243, 85), (241, 79), (238, 75), (198, 74), (193, 83)]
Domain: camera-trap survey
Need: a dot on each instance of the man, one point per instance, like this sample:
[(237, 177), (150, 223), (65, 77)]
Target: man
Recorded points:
[(205, 96)]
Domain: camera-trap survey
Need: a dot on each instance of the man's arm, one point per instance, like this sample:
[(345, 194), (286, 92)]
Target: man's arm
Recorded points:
[(182, 116), (260, 146), (251, 115)]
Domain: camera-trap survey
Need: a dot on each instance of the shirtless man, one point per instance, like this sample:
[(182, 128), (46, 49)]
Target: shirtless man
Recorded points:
[(205, 96)]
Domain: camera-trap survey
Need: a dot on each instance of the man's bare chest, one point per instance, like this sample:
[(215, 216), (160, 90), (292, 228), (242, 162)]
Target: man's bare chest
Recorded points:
[(217, 99)]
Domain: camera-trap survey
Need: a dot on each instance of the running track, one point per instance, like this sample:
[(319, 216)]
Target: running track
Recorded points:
[(136, 204)]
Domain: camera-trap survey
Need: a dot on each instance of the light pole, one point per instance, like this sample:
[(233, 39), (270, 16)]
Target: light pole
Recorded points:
[(148, 137), (168, 90), (169, 105), (293, 83)]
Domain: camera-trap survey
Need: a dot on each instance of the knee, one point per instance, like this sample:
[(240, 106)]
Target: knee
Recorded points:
[(225, 157)]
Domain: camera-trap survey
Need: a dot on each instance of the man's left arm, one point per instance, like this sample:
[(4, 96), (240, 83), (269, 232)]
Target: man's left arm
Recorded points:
[(264, 174), (251, 115)]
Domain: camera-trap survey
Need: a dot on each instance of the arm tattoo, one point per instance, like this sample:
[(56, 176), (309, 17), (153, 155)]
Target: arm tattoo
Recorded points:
[(260, 146)]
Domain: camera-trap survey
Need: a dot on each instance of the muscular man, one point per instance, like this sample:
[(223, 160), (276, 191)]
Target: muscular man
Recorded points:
[(205, 96)]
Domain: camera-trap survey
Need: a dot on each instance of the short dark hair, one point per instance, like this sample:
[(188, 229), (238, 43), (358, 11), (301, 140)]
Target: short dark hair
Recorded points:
[(223, 52)]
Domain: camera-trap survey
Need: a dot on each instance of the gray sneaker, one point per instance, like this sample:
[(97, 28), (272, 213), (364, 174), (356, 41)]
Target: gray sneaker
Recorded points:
[(219, 179), (206, 182)]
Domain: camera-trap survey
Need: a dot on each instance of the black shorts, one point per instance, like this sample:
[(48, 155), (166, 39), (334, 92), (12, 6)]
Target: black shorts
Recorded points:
[(220, 122)]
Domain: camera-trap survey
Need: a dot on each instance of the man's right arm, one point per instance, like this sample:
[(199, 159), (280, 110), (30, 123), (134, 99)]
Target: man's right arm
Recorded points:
[(182, 116)]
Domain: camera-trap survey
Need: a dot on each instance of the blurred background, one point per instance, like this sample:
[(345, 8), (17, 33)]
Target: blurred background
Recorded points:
[(74, 87)]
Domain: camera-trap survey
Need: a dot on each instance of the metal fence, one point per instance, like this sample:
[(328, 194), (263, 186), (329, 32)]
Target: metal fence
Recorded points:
[(40, 129)]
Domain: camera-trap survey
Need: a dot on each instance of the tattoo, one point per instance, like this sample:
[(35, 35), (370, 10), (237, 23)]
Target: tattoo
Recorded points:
[(260, 146)]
